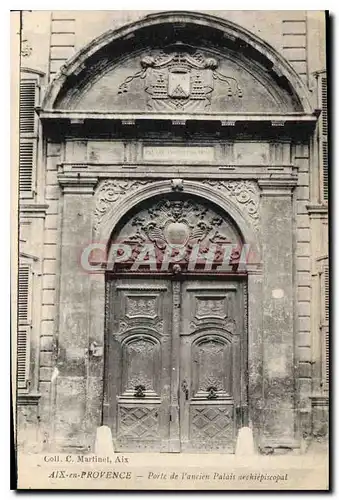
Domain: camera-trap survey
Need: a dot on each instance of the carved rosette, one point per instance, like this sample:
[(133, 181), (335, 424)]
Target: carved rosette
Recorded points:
[(109, 192), (244, 193)]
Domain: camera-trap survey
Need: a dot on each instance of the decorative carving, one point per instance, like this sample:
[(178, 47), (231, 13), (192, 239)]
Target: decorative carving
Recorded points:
[(244, 193), (211, 422), (177, 224), (141, 356), (160, 326), (139, 391), (138, 422), (211, 366), (139, 379), (144, 347), (228, 324), (110, 191), (180, 80), (26, 48), (141, 306), (211, 308), (212, 392), (177, 185), (123, 327)]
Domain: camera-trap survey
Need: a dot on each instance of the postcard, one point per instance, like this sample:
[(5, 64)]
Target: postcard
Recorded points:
[(170, 317)]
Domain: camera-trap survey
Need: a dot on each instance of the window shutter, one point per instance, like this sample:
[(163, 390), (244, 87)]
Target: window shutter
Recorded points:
[(23, 294), (24, 318), (324, 131), (325, 330), (22, 356), (327, 293), (325, 169), (27, 104), (324, 106), (26, 155), (327, 356)]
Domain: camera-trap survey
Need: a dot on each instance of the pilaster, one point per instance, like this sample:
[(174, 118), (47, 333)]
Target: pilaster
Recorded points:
[(73, 337), (278, 394)]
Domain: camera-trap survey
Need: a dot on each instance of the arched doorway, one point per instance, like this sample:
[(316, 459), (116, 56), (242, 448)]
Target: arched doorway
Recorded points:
[(176, 328)]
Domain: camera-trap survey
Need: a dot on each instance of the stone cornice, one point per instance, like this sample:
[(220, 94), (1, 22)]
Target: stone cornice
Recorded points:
[(277, 186), (317, 211), (28, 399), (31, 210), (272, 119), (79, 184), (157, 170), (319, 400)]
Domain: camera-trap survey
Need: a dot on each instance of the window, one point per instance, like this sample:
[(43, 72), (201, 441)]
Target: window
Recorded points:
[(28, 123)]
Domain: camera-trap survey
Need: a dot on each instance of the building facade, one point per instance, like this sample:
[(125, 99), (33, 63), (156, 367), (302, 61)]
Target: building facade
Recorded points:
[(173, 271)]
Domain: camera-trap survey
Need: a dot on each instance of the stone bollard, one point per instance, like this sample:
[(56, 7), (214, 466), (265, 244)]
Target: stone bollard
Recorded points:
[(103, 442), (245, 443)]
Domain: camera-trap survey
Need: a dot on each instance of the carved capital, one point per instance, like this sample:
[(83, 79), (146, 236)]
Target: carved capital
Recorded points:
[(277, 187), (77, 185)]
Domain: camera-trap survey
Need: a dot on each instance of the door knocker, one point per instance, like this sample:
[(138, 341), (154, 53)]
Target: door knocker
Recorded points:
[(139, 391), (212, 392)]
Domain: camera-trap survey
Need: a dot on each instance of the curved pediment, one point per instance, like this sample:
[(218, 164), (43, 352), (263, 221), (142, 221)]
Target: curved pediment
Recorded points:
[(180, 79), (177, 63)]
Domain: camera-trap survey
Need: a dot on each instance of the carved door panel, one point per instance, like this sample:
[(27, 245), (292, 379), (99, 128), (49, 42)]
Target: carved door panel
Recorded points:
[(212, 365), (138, 356), (175, 364)]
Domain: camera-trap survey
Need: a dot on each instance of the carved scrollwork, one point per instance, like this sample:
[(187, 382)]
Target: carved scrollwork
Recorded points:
[(109, 192), (177, 223), (245, 193)]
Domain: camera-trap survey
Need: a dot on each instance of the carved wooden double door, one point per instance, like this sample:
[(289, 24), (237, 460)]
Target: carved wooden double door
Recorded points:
[(175, 364)]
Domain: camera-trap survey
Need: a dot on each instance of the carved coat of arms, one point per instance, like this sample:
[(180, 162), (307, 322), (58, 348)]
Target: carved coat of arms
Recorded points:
[(180, 80)]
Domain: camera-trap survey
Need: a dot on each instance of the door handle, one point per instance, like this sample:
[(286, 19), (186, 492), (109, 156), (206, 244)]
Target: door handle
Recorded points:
[(184, 388)]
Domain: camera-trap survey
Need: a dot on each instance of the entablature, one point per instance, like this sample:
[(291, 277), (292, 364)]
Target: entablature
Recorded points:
[(161, 171)]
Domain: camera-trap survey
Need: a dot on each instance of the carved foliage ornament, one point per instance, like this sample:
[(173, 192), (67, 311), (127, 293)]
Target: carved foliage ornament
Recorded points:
[(179, 80), (244, 193), (110, 191), (177, 227)]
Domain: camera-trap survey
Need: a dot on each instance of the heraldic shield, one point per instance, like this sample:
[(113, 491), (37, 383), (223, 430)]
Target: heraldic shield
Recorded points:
[(180, 80)]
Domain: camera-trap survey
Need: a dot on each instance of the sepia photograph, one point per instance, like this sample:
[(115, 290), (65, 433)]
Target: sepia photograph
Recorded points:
[(170, 307)]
